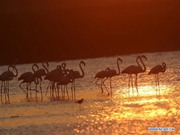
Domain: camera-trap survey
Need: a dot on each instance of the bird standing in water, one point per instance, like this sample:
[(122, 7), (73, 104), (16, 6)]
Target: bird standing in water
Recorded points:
[(156, 70), (79, 102)]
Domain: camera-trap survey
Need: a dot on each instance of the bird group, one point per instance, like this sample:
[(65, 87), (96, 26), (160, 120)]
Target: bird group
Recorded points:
[(102, 76), (60, 77)]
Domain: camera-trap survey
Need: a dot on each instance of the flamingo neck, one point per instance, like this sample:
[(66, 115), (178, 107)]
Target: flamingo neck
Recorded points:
[(14, 67), (143, 64), (118, 66), (36, 81), (138, 58), (34, 65), (10, 66), (15, 75), (47, 71), (80, 66)]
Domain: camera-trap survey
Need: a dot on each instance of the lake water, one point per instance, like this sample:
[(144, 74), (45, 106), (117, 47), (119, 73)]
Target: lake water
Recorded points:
[(122, 113)]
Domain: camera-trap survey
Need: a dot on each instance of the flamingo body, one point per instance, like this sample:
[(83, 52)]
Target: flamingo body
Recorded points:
[(157, 69)]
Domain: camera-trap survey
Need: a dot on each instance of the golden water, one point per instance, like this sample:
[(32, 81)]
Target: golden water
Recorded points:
[(99, 114)]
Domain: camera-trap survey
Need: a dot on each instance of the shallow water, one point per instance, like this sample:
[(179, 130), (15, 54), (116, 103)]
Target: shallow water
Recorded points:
[(99, 114)]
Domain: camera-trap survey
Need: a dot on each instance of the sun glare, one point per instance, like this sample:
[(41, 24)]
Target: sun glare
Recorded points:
[(145, 106)]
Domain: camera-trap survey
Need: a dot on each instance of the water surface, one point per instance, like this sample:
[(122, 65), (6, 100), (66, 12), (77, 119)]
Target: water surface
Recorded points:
[(99, 114)]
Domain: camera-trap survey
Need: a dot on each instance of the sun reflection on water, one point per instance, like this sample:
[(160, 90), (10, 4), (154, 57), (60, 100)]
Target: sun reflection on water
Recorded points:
[(133, 114)]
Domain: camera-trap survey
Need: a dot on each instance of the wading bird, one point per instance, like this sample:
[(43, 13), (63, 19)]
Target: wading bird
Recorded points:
[(111, 73), (76, 75), (28, 78), (135, 70), (40, 73), (102, 75), (79, 102), (5, 77), (53, 76), (64, 81), (156, 70)]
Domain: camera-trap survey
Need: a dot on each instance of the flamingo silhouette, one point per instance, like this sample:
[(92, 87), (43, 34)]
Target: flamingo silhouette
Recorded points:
[(76, 75), (111, 73), (127, 71), (102, 75), (5, 77), (138, 69), (28, 78), (53, 76), (156, 70), (41, 72), (133, 69), (65, 80)]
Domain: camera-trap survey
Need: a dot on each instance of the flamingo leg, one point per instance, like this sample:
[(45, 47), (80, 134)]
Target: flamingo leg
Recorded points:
[(36, 91), (41, 89), (7, 92), (156, 80), (50, 93), (105, 85), (129, 83), (57, 87), (48, 87), (1, 92), (136, 84), (132, 84), (100, 86), (74, 90), (110, 87), (23, 89), (4, 88), (30, 90), (67, 91), (158, 83), (62, 90), (52, 90)]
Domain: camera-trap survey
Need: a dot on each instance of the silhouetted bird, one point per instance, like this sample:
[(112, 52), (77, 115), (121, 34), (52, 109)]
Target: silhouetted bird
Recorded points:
[(156, 70), (76, 75), (79, 101), (102, 75), (111, 73), (135, 70)]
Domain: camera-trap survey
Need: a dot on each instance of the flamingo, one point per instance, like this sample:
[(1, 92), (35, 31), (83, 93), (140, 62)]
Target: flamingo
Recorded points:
[(65, 80), (100, 76), (41, 72), (111, 73), (28, 78), (7, 76), (77, 75), (135, 70), (138, 69), (156, 70), (127, 71), (53, 76)]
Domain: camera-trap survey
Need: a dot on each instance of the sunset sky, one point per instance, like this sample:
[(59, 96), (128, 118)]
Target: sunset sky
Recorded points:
[(37, 30)]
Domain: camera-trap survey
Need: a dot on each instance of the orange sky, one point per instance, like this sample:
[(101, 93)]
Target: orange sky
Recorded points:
[(117, 26)]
